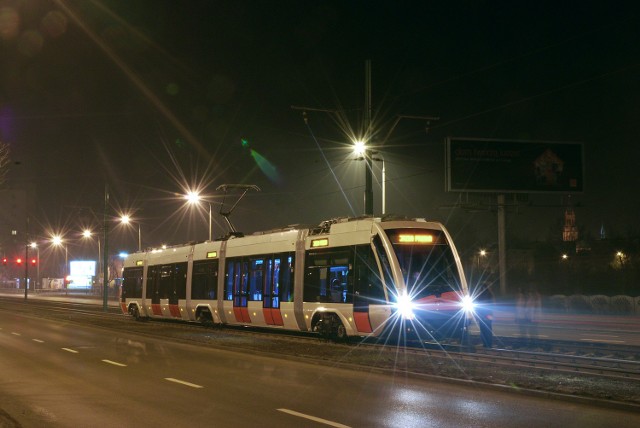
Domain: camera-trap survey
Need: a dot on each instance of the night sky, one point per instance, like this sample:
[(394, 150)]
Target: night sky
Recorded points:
[(154, 96)]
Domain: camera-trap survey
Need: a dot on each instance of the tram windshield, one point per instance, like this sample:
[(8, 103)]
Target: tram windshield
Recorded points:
[(427, 262)]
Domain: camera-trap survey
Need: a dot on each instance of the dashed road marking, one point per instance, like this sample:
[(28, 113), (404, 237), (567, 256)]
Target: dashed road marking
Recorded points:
[(314, 418), (38, 340), (114, 363), (182, 382), (603, 340), (15, 333), (73, 351)]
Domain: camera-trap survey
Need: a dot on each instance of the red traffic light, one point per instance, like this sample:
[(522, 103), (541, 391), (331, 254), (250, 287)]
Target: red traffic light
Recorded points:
[(19, 261), (5, 261), (34, 262)]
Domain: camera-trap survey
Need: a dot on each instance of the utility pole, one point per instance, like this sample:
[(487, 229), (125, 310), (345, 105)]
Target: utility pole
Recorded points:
[(502, 244), (26, 261), (367, 152), (105, 255), (368, 180)]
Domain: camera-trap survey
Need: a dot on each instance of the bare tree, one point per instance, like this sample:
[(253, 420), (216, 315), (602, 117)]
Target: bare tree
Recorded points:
[(4, 161)]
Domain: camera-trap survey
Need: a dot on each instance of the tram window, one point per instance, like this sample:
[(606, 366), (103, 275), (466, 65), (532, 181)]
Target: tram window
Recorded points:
[(152, 284), (327, 276), (256, 278), (384, 261), (132, 283), (284, 276), (270, 291), (171, 282), (180, 283), (204, 282), (367, 276), (165, 282), (428, 269), (229, 280)]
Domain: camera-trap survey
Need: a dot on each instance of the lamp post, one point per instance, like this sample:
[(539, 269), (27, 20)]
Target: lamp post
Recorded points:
[(380, 158), (87, 234), (58, 242), (126, 219), (360, 149), (34, 245)]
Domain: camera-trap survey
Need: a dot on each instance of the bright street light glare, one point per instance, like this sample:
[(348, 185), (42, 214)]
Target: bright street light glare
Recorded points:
[(125, 219), (192, 197), (86, 233), (359, 148), (56, 240)]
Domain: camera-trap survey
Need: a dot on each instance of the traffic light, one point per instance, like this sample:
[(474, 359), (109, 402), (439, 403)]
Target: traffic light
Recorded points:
[(34, 261), (4, 261), (18, 261)]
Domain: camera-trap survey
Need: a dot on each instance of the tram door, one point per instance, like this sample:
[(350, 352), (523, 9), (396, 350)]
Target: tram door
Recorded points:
[(166, 285), (368, 296), (153, 289), (239, 281), (271, 292)]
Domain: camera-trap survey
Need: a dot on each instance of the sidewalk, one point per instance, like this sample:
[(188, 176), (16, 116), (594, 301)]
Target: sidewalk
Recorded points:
[(61, 296), (551, 319)]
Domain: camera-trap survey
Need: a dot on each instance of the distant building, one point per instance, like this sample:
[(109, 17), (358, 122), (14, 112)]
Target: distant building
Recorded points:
[(570, 230), (13, 206)]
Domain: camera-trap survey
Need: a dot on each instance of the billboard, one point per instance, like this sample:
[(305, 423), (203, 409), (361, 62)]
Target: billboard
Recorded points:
[(81, 274), (512, 166), (82, 268)]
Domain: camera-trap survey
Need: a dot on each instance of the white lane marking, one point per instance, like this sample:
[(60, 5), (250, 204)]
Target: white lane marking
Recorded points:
[(114, 363), (73, 351), (38, 340), (603, 340), (182, 382), (15, 334), (603, 335), (313, 418)]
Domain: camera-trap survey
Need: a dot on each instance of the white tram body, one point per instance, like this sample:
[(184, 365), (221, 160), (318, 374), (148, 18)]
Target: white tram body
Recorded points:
[(345, 277)]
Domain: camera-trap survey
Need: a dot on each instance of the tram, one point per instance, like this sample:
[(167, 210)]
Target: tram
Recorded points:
[(345, 277)]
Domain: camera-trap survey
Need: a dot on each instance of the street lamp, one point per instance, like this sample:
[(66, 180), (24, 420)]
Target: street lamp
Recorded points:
[(58, 242), (380, 158), (87, 234), (360, 149), (481, 255), (194, 198), (126, 219)]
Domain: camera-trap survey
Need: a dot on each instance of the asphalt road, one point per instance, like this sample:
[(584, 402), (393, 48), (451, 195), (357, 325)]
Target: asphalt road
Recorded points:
[(57, 374)]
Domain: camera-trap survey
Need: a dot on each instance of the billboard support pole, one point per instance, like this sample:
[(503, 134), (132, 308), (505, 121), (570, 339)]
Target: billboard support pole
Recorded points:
[(502, 245)]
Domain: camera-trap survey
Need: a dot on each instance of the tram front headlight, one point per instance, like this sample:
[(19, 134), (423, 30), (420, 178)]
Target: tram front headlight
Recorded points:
[(404, 305), (467, 304)]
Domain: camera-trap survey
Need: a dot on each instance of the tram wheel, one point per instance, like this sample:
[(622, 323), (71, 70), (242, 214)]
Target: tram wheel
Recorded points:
[(339, 331), (204, 318), (135, 313)]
